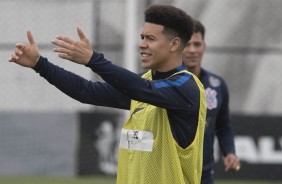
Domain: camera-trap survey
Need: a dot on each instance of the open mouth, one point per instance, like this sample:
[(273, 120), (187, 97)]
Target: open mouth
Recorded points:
[(144, 55)]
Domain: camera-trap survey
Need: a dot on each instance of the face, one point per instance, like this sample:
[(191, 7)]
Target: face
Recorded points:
[(154, 47), (194, 51)]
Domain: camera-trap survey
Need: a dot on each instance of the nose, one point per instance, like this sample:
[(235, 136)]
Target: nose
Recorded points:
[(191, 48), (142, 43)]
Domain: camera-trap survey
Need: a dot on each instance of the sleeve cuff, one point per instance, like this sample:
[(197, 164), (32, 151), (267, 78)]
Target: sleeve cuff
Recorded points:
[(38, 64), (95, 58)]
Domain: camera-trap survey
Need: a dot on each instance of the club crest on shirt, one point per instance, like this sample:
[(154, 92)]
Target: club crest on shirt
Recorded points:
[(211, 98), (215, 82)]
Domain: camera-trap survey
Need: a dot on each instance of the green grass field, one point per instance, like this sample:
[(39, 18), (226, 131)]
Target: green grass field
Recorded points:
[(97, 180)]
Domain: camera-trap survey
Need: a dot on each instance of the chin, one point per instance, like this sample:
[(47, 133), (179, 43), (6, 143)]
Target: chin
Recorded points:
[(192, 64), (145, 65)]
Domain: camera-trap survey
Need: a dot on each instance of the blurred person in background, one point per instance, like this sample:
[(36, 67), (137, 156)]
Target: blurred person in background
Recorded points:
[(105, 147), (162, 141), (218, 117)]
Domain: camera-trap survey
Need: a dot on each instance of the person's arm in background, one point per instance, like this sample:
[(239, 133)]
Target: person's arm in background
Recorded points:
[(225, 134)]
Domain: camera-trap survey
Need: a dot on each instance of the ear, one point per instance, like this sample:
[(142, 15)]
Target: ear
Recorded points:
[(175, 44)]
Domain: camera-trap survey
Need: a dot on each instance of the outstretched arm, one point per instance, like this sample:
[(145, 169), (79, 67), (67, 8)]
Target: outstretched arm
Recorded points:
[(127, 82), (26, 55), (85, 91)]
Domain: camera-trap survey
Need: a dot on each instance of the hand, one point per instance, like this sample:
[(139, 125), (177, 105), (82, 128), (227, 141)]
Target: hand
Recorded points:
[(231, 162), (26, 55), (79, 52)]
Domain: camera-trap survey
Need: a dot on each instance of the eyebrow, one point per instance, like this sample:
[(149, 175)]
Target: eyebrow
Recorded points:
[(147, 35)]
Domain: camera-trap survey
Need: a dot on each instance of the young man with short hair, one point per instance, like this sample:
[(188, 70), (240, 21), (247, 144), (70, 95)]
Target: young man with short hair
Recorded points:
[(162, 140), (218, 117)]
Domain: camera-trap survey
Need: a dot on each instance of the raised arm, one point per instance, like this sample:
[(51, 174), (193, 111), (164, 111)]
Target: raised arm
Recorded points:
[(96, 93), (128, 83)]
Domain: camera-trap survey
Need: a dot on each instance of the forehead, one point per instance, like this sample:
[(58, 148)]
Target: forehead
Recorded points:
[(152, 29), (197, 37)]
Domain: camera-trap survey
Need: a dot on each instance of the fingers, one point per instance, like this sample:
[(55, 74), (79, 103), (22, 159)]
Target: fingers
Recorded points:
[(13, 58), (232, 166), (66, 42), (81, 34), (63, 42), (76, 51), (228, 166), (63, 47), (237, 168), (26, 55), (19, 46), (30, 37), (18, 52), (63, 50), (65, 39), (232, 163), (65, 56)]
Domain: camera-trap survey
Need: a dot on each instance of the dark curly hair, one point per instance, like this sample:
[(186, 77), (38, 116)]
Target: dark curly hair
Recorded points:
[(199, 28), (175, 21)]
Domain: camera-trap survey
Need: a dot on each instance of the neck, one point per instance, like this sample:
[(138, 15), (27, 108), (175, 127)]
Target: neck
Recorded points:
[(171, 63), (196, 71)]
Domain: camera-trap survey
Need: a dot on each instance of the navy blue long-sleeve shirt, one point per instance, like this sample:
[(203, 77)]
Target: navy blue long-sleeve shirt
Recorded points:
[(180, 95), (218, 118)]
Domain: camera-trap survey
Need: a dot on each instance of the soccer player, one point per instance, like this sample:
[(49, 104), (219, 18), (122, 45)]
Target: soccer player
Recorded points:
[(218, 117), (162, 141)]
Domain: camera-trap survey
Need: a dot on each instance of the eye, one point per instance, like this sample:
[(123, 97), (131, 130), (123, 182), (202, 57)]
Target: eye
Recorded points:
[(198, 44)]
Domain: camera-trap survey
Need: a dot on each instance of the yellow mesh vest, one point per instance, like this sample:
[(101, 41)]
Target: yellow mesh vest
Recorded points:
[(148, 153)]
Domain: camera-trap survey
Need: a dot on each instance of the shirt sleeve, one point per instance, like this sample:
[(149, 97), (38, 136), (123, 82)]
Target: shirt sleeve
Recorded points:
[(80, 89), (179, 92), (224, 130)]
